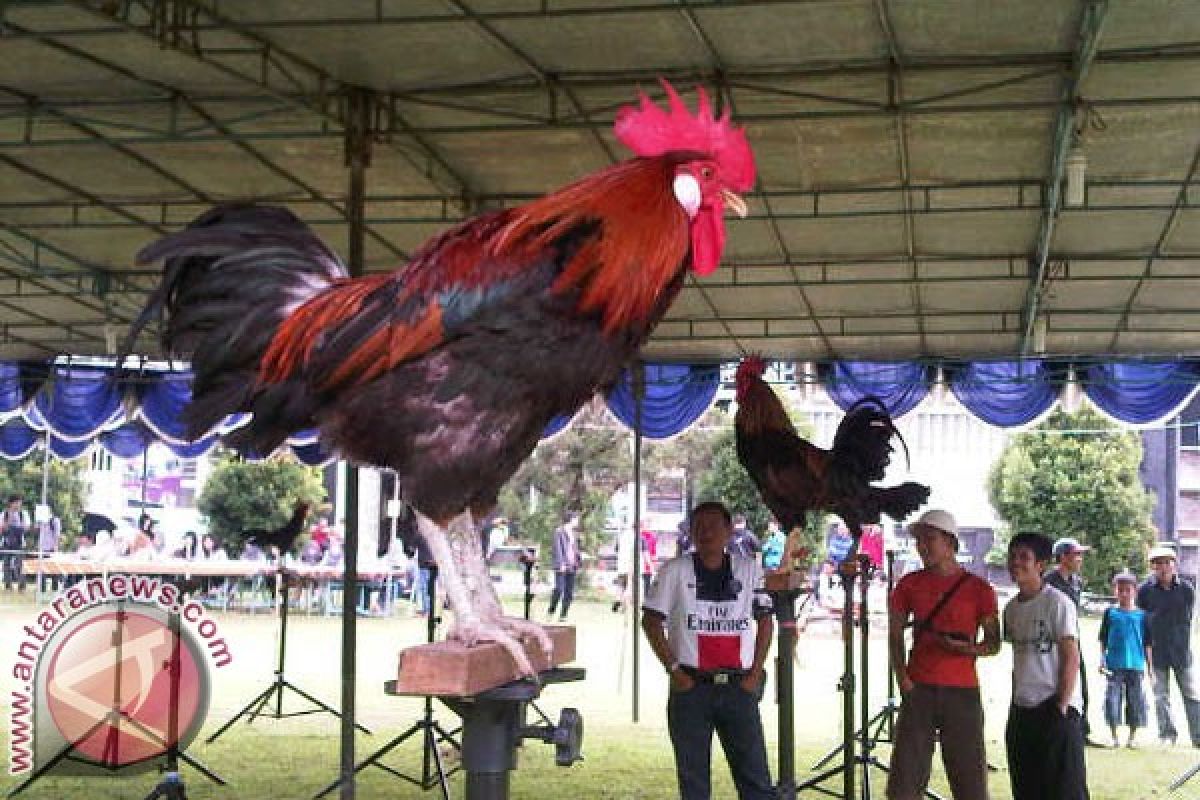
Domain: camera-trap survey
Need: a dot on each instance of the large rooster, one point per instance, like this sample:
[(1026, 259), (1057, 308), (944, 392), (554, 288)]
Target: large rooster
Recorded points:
[(795, 477), (448, 369)]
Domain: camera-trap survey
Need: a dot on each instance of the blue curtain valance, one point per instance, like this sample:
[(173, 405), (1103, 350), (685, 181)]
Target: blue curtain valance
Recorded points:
[(676, 396), (1007, 394), (1140, 392), (78, 403), (81, 405), (901, 385), (17, 439)]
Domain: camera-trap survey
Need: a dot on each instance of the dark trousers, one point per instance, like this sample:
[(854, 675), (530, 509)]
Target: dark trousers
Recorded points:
[(732, 712), (1125, 688), (564, 590), (1186, 678), (1045, 753), (12, 570), (1083, 690)]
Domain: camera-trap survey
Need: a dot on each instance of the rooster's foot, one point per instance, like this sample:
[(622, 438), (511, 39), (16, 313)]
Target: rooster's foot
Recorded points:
[(471, 631), (529, 631)]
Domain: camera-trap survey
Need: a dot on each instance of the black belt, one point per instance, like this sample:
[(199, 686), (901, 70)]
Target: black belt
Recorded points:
[(719, 677)]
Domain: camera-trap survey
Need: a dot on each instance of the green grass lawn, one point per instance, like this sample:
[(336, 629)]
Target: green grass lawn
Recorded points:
[(294, 758)]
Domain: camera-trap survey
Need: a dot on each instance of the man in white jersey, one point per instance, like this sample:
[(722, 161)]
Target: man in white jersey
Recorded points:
[(1044, 736), (711, 632)]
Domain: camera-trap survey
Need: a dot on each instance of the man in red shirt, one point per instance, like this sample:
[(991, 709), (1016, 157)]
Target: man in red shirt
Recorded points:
[(947, 608)]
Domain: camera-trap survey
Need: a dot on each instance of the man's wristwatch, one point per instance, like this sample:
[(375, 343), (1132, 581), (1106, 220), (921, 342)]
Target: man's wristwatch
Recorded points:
[(674, 665)]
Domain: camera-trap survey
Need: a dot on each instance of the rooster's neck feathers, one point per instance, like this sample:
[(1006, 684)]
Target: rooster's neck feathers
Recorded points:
[(759, 408), (622, 270)]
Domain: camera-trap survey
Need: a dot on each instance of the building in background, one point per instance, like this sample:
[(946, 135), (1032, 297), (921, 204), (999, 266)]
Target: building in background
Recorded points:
[(1171, 470)]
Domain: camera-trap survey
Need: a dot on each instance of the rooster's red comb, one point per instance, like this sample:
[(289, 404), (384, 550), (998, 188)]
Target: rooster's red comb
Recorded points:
[(749, 372), (648, 130)]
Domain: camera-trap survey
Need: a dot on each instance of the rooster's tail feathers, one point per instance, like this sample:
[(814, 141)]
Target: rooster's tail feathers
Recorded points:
[(229, 280)]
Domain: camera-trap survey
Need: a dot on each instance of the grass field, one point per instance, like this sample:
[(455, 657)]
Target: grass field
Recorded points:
[(294, 758)]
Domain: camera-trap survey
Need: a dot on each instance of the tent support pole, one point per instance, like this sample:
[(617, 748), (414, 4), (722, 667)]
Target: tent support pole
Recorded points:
[(358, 156), (635, 573)]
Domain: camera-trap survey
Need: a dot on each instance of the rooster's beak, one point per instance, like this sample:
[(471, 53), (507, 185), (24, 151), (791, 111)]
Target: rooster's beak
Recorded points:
[(734, 203)]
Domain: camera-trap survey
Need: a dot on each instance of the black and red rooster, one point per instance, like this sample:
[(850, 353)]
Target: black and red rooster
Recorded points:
[(795, 477), (448, 369)]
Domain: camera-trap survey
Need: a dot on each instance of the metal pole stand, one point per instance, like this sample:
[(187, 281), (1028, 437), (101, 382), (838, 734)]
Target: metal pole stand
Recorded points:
[(857, 745), (783, 602), (528, 561), (881, 728), (433, 769), (494, 725), (257, 707), (849, 571)]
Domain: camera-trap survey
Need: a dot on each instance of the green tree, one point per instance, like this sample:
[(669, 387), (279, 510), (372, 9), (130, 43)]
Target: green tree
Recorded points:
[(578, 470), (1077, 475), (65, 488), (691, 451), (241, 494), (728, 482)]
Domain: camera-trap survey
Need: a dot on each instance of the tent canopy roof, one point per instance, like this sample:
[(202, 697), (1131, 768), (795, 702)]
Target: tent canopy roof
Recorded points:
[(906, 154)]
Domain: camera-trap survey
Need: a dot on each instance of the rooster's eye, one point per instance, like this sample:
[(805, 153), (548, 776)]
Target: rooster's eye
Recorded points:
[(706, 173)]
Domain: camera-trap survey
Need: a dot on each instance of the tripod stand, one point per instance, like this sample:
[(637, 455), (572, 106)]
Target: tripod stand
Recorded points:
[(256, 707), (116, 718), (1184, 778), (882, 726), (783, 603), (171, 787), (857, 746), (433, 769)]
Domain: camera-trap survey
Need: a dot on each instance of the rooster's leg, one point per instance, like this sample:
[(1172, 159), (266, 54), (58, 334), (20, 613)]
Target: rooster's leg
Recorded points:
[(457, 551), (491, 611)]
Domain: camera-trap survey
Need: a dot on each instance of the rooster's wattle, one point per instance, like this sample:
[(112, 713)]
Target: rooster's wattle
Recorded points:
[(448, 369), (795, 477)]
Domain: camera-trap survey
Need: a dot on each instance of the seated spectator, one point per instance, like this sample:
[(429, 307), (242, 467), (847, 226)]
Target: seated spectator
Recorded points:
[(320, 534), (335, 552), (211, 550), (84, 544), (252, 552), (105, 548), (158, 540), (136, 545), (189, 549), (311, 553)]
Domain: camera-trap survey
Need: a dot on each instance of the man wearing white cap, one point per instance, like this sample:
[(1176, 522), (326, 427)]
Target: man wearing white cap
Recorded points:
[(1170, 602), (947, 607)]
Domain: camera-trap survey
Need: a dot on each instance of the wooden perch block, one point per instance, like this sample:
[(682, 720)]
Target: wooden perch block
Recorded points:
[(450, 669)]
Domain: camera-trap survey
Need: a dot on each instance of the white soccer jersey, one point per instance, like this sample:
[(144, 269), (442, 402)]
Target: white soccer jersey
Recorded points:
[(710, 618)]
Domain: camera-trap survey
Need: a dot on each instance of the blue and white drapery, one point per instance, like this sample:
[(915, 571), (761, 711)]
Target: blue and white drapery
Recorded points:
[(76, 407), (676, 395), (81, 406), (899, 385), (1007, 394)]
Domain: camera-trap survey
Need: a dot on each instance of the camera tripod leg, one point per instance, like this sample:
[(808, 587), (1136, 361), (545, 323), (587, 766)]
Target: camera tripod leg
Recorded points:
[(1184, 778)]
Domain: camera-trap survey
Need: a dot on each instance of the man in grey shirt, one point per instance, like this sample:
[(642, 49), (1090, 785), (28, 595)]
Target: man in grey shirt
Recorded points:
[(1044, 736)]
